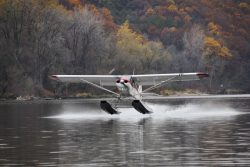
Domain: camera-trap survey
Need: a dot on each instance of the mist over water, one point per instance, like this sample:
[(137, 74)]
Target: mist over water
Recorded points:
[(189, 111), (194, 111)]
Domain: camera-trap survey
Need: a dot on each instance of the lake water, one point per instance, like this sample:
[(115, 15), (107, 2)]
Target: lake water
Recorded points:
[(75, 133)]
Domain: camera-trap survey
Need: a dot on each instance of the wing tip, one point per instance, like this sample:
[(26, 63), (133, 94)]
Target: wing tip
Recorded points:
[(202, 75), (54, 77)]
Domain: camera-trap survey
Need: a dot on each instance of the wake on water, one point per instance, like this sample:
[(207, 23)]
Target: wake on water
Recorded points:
[(191, 111)]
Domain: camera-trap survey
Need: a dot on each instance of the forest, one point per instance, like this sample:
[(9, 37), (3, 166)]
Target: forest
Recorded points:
[(39, 38)]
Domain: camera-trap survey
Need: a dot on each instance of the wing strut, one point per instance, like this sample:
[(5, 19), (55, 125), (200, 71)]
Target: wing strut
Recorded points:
[(100, 87), (159, 84)]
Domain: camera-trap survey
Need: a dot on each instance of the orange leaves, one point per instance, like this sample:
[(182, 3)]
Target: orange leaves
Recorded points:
[(75, 2), (108, 19), (106, 13)]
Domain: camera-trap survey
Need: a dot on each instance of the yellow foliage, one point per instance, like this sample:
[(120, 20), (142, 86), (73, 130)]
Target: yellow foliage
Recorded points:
[(125, 31), (135, 47), (212, 46), (213, 28), (243, 5), (172, 8), (2, 2), (211, 42), (225, 52), (129, 40)]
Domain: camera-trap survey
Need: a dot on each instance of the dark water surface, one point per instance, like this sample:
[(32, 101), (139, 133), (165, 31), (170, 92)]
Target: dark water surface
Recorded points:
[(178, 133)]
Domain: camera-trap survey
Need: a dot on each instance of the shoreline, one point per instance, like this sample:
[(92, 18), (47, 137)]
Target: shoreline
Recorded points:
[(159, 98)]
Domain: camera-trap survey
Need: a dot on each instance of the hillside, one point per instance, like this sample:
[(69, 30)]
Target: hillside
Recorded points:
[(224, 26), (44, 37)]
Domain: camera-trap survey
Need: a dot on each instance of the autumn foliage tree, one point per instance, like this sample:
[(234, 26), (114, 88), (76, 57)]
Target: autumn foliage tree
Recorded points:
[(215, 54), (43, 37), (137, 53)]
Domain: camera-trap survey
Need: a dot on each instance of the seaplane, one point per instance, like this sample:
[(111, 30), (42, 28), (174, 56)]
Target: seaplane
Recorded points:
[(129, 86)]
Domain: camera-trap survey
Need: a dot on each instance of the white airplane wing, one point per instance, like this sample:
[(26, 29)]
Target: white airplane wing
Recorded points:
[(154, 79), (103, 80), (147, 80)]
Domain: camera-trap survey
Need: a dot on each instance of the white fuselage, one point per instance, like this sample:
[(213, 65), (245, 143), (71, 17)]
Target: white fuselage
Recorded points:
[(124, 85)]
